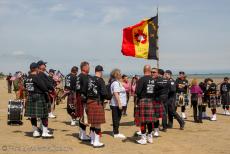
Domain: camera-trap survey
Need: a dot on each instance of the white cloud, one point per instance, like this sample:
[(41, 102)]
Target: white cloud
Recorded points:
[(113, 14), (78, 13), (57, 8), (18, 53)]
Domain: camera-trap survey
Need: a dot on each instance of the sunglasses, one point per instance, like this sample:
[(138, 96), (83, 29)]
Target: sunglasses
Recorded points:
[(153, 72)]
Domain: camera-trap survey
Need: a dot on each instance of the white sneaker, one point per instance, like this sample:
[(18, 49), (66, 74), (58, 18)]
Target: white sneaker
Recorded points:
[(143, 140), (227, 113), (83, 136), (156, 132), (73, 122), (36, 133), (45, 133), (138, 133), (120, 136), (213, 117), (224, 113), (51, 115), (92, 137), (97, 143), (150, 138), (183, 115)]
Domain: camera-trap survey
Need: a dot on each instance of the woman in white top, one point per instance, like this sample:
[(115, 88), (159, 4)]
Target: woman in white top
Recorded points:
[(118, 100)]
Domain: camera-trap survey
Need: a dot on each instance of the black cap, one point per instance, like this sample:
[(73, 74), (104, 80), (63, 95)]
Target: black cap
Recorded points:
[(33, 65), (169, 72), (40, 62), (52, 71), (74, 69), (98, 68)]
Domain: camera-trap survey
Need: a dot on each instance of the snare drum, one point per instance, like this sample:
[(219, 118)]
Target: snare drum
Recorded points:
[(212, 101), (218, 101), (180, 100), (15, 112)]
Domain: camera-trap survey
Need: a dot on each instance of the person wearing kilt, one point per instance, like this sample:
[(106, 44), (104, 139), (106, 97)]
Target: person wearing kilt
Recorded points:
[(70, 87), (182, 88), (145, 113), (41, 74), (159, 99), (37, 105), (203, 86), (96, 94), (163, 90), (196, 100), (81, 93), (212, 98), (52, 95), (225, 95), (172, 102)]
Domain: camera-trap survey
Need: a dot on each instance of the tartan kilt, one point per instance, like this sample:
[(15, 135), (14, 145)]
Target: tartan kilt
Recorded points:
[(37, 106), (144, 111), (71, 101), (225, 99), (158, 109), (95, 112), (79, 108)]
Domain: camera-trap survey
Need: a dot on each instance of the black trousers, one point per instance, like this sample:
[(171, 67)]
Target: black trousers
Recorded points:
[(116, 117), (164, 101), (172, 113), (196, 108)]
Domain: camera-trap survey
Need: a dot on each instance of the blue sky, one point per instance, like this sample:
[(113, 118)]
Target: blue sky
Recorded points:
[(194, 35)]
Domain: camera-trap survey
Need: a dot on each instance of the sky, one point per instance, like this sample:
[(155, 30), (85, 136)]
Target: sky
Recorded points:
[(194, 36)]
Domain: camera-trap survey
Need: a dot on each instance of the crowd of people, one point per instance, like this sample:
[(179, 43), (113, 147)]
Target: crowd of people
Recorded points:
[(156, 96)]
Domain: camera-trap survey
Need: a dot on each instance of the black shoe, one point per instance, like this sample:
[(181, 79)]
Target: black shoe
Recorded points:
[(182, 126), (200, 121), (196, 121), (169, 126)]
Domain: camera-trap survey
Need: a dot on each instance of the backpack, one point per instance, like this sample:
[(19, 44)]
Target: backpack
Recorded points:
[(108, 88), (109, 93)]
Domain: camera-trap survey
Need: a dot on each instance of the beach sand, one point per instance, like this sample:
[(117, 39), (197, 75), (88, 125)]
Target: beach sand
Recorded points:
[(207, 138)]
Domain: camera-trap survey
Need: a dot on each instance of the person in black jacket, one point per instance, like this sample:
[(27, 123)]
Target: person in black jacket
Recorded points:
[(81, 94), (70, 86), (182, 89), (211, 90), (163, 85), (52, 95), (41, 74), (37, 105), (96, 94), (225, 95), (172, 102), (9, 83), (144, 112)]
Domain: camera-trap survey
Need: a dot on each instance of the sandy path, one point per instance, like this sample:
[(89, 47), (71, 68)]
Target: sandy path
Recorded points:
[(209, 137)]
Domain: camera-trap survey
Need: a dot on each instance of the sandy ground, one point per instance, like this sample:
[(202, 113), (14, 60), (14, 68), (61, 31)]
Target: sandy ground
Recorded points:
[(209, 137)]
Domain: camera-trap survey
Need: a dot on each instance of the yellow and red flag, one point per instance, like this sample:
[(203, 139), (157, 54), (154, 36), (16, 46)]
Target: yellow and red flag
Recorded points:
[(141, 40)]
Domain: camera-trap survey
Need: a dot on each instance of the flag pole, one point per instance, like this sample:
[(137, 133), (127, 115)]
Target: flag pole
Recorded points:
[(157, 50)]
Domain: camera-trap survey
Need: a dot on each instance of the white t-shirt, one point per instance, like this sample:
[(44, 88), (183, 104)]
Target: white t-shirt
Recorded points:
[(116, 86)]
